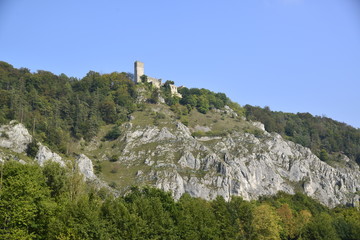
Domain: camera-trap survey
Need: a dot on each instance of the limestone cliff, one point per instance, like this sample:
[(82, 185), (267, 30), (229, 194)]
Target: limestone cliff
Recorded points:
[(241, 163)]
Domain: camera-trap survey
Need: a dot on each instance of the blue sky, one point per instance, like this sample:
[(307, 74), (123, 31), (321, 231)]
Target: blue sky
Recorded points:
[(291, 55)]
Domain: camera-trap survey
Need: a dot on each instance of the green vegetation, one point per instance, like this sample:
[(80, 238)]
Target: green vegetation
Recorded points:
[(65, 113), (113, 134), (58, 108), (322, 135), (61, 109), (32, 149), (54, 203), (202, 99)]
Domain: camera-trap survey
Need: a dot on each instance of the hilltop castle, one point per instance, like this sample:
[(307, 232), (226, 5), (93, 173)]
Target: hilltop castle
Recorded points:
[(139, 71)]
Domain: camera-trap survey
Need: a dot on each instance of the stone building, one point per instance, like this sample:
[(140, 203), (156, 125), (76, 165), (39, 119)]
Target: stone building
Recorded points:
[(174, 91), (139, 71)]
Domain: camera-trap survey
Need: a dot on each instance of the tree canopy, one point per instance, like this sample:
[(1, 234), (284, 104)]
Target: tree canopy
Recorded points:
[(52, 202), (58, 108)]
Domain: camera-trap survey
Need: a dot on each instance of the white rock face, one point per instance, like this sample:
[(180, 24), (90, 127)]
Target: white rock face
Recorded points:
[(45, 154), (15, 137), (230, 112), (239, 164), (86, 167), (188, 160), (259, 125)]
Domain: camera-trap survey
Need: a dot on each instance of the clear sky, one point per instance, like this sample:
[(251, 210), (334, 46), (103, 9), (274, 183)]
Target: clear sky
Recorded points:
[(290, 55)]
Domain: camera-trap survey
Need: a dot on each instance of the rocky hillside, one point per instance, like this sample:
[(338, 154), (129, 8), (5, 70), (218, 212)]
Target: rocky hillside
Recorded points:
[(218, 153), (15, 141), (119, 134)]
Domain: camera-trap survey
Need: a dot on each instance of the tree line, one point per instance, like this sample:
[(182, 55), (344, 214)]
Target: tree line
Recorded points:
[(58, 108), (52, 202), (55, 203)]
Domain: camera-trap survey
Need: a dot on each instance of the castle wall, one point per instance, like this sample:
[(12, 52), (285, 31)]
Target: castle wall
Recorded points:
[(138, 71), (154, 81), (174, 91)]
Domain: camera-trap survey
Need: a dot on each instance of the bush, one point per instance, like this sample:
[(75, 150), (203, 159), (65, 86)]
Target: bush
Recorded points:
[(113, 134), (114, 158), (324, 156), (185, 120), (4, 135), (97, 168), (113, 185), (32, 149), (154, 98), (144, 78)]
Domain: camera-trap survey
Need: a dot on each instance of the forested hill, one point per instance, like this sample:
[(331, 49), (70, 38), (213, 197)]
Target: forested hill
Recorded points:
[(58, 108), (324, 136), (114, 134)]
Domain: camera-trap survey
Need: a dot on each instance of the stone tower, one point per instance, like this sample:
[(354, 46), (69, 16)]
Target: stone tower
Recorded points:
[(138, 71)]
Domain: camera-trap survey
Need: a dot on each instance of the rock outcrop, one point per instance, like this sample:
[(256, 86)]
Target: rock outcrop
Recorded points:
[(239, 164), (15, 136), (85, 167), (44, 154)]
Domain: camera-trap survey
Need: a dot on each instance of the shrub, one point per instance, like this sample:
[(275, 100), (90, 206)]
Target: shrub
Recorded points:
[(113, 134), (114, 158), (4, 135), (97, 168), (32, 149), (323, 155), (113, 185)]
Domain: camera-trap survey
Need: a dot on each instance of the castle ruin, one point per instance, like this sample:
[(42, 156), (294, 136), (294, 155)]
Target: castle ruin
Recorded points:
[(139, 72)]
